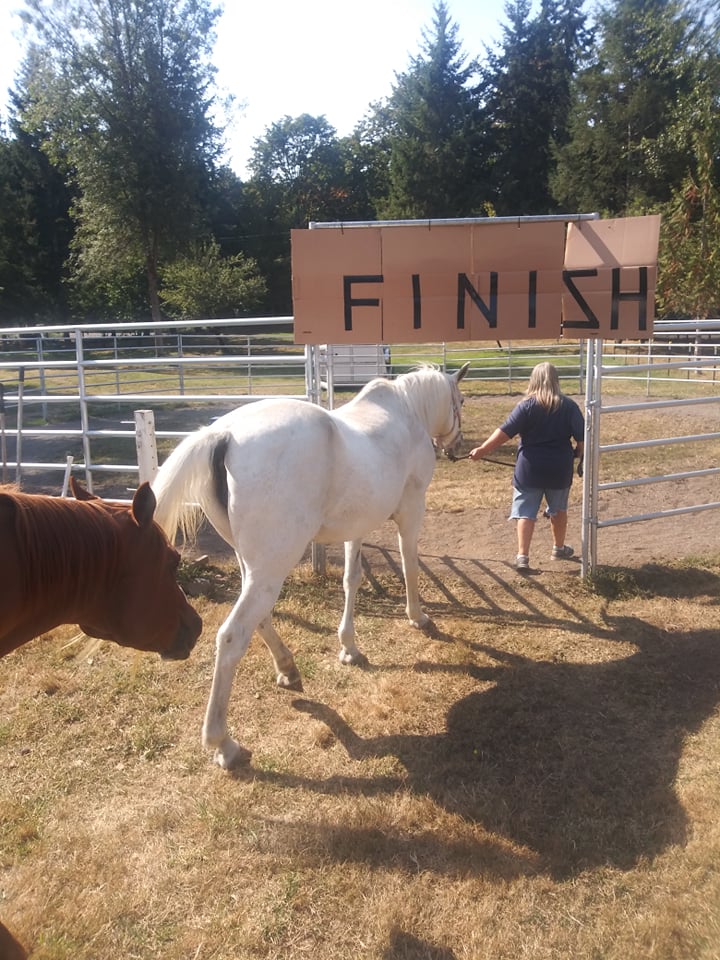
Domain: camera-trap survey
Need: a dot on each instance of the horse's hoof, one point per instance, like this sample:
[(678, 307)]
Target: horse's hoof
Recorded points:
[(231, 755), (356, 659), (291, 681), (422, 622)]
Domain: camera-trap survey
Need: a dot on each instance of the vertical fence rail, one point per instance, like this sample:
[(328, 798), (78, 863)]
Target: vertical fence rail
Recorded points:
[(84, 416), (593, 401)]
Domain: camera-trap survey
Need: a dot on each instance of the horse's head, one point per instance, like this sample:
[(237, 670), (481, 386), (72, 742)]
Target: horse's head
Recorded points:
[(144, 607), (449, 438)]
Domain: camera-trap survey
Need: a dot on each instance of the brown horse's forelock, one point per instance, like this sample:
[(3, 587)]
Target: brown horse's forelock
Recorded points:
[(64, 544)]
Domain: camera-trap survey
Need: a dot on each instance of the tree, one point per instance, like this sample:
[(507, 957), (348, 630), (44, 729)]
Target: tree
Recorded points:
[(206, 285), (368, 151), (301, 165), (301, 172), (121, 89), (526, 93), (619, 157), (689, 258), (436, 158), (35, 232)]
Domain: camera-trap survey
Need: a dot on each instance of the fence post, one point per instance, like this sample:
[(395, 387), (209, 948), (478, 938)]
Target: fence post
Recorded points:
[(84, 413), (66, 476), (41, 374), (19, 425), (591, 467), (146, 445)]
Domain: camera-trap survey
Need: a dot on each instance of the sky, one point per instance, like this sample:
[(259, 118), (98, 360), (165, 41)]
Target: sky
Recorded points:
[(327, 58)]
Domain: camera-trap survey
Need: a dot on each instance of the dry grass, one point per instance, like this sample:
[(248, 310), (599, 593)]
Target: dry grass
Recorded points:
[(535, 778)]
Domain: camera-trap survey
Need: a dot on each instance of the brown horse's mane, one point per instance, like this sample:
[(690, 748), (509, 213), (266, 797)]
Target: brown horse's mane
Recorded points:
[(62, 543)]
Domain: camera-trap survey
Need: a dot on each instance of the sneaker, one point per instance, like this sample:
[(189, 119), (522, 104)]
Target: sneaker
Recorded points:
[(562, 553), (522, 562)]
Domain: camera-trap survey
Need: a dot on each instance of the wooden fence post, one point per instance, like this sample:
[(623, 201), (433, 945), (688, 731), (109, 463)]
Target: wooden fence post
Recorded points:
[(146, 445)]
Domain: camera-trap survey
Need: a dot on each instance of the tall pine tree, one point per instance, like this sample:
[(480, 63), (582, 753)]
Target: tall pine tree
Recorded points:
[(619, 157), (436, 162), (526, 94)]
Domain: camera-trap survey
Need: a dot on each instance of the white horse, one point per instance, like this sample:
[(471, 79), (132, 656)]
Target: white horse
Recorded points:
[(276, 474)]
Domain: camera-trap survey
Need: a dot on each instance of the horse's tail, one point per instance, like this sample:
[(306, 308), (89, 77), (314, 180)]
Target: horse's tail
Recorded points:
[(185, 483)]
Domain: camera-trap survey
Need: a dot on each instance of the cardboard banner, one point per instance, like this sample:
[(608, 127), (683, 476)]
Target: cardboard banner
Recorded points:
[(474, 281)]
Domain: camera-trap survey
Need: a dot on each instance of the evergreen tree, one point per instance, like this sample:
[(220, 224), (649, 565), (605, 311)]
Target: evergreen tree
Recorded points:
[(526, 94), (35, 232), (436, 155), (619, 157)]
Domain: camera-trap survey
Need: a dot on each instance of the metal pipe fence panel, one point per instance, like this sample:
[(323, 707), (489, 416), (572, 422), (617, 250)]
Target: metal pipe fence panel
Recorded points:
[(701, 341), (77, 387)]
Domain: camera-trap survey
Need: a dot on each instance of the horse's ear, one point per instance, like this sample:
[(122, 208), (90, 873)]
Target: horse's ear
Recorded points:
[(459, 374), (79, 492), (143, 505)]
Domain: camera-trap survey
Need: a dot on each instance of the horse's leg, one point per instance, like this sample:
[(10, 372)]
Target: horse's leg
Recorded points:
[(349, 652), (233, 638), (409, 520), (286, 672)]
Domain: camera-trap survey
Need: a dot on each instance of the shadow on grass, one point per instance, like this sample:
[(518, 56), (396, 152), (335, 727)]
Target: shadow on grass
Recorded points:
[(574, 762)]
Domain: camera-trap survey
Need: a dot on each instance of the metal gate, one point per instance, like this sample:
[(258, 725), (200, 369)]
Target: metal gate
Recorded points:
[(694, 334)]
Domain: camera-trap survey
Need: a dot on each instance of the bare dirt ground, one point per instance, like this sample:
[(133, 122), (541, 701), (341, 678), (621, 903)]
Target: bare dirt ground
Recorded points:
[(486, 535)]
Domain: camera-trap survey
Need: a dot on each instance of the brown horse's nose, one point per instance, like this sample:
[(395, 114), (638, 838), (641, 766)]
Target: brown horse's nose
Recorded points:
[(185, 638)]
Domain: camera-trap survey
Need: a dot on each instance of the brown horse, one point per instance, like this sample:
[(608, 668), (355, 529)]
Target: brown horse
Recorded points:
[(10, 949), (107, 567)]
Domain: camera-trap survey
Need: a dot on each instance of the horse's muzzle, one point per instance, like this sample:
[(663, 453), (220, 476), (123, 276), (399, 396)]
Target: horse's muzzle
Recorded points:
[(185, 640), (452, 450), (453, 457)]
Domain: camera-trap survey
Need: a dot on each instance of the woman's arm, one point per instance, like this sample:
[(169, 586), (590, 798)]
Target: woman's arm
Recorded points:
[(496, 439)]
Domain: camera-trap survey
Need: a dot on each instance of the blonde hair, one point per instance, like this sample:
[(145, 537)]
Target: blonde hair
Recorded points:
[(544, 386)]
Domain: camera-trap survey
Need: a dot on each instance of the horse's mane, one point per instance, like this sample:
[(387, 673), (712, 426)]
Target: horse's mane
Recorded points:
[(413, 386), (62, 542)]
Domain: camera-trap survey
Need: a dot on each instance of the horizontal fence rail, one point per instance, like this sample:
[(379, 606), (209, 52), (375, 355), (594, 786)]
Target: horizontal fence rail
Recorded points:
[(70, 393)]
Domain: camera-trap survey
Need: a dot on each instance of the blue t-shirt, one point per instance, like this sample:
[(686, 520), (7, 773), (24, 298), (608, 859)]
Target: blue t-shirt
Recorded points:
[(545, 453)]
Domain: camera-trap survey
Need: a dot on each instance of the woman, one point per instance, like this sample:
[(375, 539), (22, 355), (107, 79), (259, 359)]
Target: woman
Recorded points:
[(547, 422)]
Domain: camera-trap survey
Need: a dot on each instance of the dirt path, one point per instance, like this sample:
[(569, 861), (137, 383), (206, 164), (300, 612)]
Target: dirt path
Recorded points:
[(483, 540), (486, 535)]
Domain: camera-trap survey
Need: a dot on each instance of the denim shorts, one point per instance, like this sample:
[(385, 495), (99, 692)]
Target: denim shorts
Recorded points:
[(526, 501)]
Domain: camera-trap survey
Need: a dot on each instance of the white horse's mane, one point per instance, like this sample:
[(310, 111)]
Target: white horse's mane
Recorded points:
[(413, 386)]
